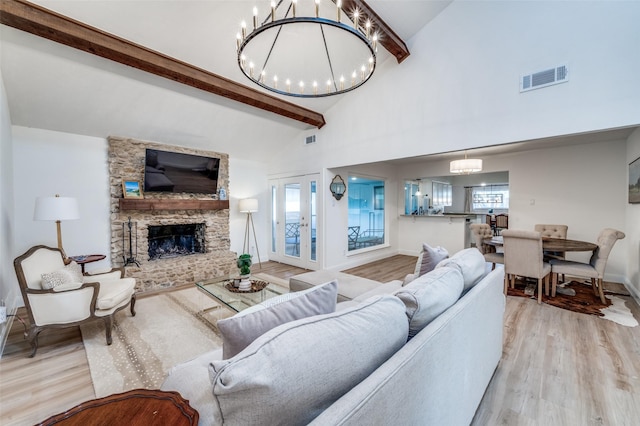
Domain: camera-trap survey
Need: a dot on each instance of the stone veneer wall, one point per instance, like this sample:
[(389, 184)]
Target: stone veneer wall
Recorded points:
[(126, 162)]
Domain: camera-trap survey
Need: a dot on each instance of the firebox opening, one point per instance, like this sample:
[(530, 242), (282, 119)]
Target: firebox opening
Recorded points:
[(166, 241)]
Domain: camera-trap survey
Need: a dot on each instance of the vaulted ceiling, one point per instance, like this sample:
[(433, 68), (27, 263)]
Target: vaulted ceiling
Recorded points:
[(55, 87)]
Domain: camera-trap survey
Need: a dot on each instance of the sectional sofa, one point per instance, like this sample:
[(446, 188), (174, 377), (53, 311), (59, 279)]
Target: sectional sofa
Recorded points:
[(422, 354)]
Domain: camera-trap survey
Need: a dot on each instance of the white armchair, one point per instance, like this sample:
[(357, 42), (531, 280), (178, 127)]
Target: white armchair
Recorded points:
[(58, 295)]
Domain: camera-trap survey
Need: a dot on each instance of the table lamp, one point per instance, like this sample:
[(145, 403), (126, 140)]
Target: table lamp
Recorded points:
[(249, 206), (56, 208)]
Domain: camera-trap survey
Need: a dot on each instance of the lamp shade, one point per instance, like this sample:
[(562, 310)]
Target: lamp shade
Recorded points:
[(248, 205), (466, 165), (56, 208)]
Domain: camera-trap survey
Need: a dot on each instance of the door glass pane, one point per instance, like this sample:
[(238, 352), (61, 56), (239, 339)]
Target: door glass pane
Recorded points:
[(292, 219), (313, 219), (366, 212), (274, 218)]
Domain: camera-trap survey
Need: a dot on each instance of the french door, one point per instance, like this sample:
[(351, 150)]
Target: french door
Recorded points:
[(294, 221)]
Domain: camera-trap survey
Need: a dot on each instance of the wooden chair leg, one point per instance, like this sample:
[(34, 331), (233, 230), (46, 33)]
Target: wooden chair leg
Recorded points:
[(554, 284), (33, 339), (108, 324), (133, 304), (506, 284), (539, 290), (601, 291), (593, 286), (546, 285)]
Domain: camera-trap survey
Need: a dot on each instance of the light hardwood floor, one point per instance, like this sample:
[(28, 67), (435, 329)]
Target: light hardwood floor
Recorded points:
[(558, 367)]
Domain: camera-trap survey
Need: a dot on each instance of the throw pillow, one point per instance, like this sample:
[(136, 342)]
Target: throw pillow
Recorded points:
[(295, 371), (70, 274), (471, 264), (430, 295), (428, 258), (244, 327)]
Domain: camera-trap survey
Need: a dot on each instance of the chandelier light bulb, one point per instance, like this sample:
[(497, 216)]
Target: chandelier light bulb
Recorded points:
[(288, 82), (375, 42), (301, 86), (243, 61), (251, 69), (275, 81), (243, 25), (255, 17), (263, 74), (338, 9), (317, 8), (342, 82), (362, 70), (356, 16), (293, 6), (353, 78), (368, 27), (273, 10), (328, 86), (238, 40), (315, 87)]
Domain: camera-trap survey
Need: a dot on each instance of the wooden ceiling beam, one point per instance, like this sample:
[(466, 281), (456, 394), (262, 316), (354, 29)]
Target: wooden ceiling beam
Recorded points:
[(45, 23), (388, 38)]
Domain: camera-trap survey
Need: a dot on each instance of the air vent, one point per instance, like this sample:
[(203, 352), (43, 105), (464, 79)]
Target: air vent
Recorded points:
[(544, 78), (310, 139)]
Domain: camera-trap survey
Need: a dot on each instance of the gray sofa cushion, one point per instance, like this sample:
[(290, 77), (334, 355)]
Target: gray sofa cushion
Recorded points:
[(293, 372), (471, 264), (428, 296), (244, 327)]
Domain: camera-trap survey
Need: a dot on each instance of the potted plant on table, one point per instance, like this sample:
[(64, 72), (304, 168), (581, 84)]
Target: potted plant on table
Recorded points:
[(244, 263)]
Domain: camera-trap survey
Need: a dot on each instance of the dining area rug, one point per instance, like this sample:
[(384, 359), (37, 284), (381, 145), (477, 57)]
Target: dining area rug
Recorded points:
[(578, 296), (169, 328)]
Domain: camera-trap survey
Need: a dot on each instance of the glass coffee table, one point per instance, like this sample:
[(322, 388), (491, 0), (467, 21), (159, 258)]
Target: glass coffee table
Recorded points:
[(217, 288)]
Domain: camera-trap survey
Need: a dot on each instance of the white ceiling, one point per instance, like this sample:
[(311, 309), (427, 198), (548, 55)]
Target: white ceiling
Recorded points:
[(54, 87)]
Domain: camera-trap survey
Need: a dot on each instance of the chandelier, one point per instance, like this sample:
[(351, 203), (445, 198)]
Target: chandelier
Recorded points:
[(298, 50), (466, 165)]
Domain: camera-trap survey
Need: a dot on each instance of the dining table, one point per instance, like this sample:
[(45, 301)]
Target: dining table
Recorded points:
[(551, 244)]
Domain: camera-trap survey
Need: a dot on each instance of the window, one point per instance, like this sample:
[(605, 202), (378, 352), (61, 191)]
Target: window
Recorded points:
[(490, 197), (366, 212), (410, 199), (442, 194)]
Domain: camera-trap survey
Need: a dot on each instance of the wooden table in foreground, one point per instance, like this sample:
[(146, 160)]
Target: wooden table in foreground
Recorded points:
[(136, 407)]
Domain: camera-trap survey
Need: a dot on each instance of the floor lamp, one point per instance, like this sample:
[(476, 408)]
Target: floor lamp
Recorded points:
[(56, 208), (249, 206)]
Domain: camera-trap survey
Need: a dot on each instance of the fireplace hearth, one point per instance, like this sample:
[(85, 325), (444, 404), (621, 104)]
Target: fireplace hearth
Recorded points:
[(168, 241)]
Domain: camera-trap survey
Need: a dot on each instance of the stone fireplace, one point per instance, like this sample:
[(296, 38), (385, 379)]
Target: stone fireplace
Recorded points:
[(177, 243)]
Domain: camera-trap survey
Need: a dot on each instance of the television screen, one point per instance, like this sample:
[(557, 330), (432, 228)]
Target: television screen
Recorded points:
[(177, 172)]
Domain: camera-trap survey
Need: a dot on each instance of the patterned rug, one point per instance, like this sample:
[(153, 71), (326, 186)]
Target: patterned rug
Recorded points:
[(579, 297), (169, 328)]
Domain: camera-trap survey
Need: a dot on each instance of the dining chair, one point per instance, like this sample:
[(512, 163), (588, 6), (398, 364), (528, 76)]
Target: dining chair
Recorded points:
[(593, 270), (523, 257), (482, 231), (552, 231), (491, 221), (502, 222)]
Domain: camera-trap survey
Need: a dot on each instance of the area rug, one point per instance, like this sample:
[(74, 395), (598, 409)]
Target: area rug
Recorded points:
[(579, 297), (168, 329)]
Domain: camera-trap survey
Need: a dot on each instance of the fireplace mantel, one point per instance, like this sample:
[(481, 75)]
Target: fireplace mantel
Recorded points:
[(171, 204)]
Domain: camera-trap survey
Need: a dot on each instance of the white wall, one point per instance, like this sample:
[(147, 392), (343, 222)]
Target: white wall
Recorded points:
[(633, 224), (9, 291), (248, 179), (49, 163), (459, 87), (583, 186)]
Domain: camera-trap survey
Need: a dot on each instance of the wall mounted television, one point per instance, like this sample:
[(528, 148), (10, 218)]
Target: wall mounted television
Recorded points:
[(177, 172)]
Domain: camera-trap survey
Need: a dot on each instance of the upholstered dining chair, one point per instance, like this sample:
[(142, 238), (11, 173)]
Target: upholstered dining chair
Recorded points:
[(552, 231), (502, 222), (482, 231), (523, 257), (593, 270), (57, 295)]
